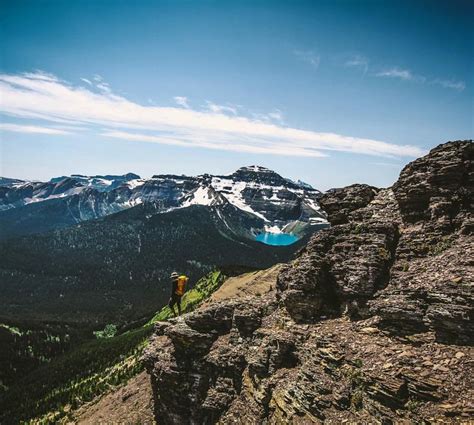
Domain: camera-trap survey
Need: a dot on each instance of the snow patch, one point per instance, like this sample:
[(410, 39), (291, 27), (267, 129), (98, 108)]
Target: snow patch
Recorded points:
[(312, 204), (41, 196), (132, 184), (318, 220), (201, 196), (234, 194), (273, 229)]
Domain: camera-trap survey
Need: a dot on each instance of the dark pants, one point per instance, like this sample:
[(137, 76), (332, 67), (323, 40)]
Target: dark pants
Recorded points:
[(175, 299)]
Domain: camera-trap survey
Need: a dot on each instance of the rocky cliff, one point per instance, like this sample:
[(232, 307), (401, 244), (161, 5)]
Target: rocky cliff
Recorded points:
[(372, 323)]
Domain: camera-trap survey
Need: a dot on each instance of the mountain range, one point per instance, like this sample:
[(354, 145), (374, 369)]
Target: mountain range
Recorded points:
[(100, 249), (28, 207)]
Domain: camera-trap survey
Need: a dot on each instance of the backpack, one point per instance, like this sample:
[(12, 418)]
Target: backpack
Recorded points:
[(181, 285)]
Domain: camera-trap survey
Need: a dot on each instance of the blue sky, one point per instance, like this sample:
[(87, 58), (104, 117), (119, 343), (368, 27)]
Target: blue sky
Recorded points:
[(330, 92)]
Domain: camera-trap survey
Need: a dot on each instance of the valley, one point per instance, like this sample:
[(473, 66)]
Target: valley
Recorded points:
[(81, 253)]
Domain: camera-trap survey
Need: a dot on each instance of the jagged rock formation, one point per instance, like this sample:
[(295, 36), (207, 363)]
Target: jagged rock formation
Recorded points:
[(339, 203), (372, 323)]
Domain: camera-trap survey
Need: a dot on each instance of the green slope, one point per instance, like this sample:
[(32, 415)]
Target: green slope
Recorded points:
[(191, 299), (50, 392)]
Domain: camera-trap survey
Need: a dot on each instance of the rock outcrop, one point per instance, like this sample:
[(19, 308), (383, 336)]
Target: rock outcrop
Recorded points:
[(339, 203), (372, 323)]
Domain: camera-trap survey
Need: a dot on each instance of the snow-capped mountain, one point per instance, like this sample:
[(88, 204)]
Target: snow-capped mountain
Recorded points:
[(7, 182), (262, 192), (101, 183), (281, 204)]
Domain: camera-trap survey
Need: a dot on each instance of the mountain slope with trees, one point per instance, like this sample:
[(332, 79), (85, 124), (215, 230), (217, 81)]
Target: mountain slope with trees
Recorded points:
[(116, 269)]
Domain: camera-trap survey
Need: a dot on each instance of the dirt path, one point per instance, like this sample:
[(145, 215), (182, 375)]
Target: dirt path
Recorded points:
[(254, 283)]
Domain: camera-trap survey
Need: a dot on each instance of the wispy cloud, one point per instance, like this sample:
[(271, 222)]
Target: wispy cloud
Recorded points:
[(359, 62), (87, 81), (308, 56), (182, 101), (273, 116), (31, 129), (276, 115), (396, 72), (221, 109), (234, 143), (450, 84), (402, 74), (104, 87), (52, 100), (407, 75)]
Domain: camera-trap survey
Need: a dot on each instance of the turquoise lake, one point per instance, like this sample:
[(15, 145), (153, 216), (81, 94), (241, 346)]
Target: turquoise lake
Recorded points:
[(276, 239)]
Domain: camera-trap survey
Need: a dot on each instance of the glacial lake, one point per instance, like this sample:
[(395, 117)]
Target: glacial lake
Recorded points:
[(276, 239)]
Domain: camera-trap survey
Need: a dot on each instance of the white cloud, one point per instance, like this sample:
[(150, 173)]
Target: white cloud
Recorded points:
[(358, 61), (104, 87), (276, 115), (269, 117), (450, 84), (402, 74), (232, 143), (31, 129), (407, 75), (221, 109), (309, 56), (41, 75), (362, 63), (182, 101), (31, 97), (87, 81)]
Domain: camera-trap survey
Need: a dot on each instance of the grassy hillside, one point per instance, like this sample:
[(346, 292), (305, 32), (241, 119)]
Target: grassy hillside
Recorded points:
[(191, 299), (52, 391)]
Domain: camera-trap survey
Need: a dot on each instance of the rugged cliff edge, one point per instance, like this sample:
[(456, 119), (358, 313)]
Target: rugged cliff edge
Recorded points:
[(373, 322)]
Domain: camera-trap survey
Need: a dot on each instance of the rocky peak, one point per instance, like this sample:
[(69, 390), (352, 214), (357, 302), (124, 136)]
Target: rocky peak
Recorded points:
[(131, 176), (339, 203), (304, 185), (258, 174), (8, 182), (101, 183), (439, 185), (371, 323)]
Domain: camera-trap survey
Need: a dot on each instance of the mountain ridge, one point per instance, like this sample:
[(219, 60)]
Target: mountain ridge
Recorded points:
[(257, 190), (372, 322)]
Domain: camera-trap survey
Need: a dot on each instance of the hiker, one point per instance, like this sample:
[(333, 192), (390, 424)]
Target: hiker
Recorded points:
[(178, 288)]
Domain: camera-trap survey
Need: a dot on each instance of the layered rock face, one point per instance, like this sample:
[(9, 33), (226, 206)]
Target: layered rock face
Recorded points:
[(372, 323), (339, 203)]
